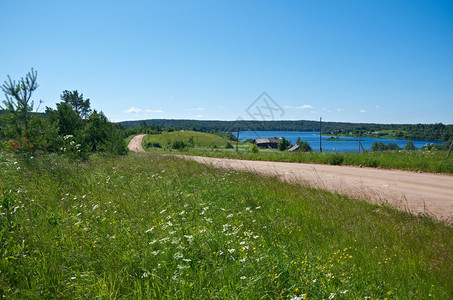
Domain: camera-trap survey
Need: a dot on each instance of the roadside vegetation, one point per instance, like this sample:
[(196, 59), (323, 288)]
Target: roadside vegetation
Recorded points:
[(149, 226)]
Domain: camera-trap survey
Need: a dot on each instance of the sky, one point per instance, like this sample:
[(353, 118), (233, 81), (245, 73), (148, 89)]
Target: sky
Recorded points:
[(384, 61)]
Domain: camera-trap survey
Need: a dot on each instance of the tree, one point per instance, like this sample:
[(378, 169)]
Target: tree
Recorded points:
[(378, 146), (80, 106), (284, 144), (410, 146), (18, 105), (393, 147), (65, 118), (304, 147)]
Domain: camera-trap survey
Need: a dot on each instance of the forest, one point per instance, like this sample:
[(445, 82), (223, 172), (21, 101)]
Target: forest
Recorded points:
[(417, 132)]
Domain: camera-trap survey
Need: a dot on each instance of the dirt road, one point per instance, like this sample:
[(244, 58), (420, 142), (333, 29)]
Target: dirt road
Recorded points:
[(135, 144), (415, 192)]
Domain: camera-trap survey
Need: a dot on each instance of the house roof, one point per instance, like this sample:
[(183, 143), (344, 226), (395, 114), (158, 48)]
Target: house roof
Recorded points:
[(293, 148), (274, 140)]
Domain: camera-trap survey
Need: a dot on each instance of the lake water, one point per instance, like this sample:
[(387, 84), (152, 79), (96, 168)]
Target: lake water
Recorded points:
[(329, 146)]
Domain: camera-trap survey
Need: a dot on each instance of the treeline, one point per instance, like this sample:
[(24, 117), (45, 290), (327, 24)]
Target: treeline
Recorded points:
[(73, 128), (416, 132)]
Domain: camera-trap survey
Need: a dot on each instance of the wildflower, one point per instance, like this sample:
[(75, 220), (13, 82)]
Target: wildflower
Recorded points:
[(155, 252), (332, 296), (178, 255), (243, 277), (149, 230), (231, 250)]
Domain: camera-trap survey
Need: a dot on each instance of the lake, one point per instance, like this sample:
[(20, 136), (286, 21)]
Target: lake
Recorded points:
[(312, 138)]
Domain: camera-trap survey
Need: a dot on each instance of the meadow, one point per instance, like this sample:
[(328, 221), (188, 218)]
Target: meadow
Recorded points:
[(152, 226)]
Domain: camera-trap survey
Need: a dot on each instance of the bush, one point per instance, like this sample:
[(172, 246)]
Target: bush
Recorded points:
[(254, 148), (335, 159), (304, 147), (153, 145), (228, 146), (410, 146), (178, 145), (284, 144), (378, 146)]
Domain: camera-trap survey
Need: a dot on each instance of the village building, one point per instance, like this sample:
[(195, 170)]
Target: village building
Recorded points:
[(267, 142)]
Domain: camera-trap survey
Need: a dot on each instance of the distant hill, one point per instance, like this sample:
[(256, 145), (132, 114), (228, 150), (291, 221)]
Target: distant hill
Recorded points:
[(428, 132)]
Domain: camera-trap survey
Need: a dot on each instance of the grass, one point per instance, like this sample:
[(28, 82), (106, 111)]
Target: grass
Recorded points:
[(200, 139), (424, 161), (148, 226)]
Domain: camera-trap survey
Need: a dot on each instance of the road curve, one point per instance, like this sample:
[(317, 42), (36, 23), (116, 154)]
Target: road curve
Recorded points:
[(418, 193), (135, 145)]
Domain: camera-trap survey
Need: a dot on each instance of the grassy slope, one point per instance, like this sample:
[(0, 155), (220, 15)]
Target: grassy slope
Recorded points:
[(200, 139), (146, 226)]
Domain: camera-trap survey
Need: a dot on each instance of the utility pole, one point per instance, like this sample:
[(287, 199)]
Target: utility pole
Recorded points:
[(237, 141), (359, 141), (320, 134), (449, 150)]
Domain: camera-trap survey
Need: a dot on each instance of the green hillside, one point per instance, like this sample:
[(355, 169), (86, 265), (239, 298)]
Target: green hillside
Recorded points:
[(200, 139)]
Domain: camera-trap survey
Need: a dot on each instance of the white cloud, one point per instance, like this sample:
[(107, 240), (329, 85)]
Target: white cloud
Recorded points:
[(339, 109), (133, 110), (198, 117), (306, 106), (378, 106), (363, 111), (154, 111)]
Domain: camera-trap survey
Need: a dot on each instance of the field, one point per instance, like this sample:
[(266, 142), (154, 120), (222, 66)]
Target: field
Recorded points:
[(149, 226)]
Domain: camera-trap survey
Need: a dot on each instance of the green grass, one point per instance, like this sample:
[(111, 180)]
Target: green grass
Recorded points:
[(148, 226), (200, 139), (425, 161)]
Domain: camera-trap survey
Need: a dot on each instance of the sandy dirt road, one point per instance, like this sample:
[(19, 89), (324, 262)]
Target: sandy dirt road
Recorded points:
[(410, 191), (135, 144)]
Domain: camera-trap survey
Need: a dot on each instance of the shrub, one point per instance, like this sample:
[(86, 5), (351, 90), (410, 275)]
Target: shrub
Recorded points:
[(410, 146), (178, 145), (254, 148), (335, 159), (228, 146), (284, 144), (153, 145)]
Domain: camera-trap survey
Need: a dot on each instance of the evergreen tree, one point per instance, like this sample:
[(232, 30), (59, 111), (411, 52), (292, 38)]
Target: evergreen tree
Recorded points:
[(18, 105), (80, 106)]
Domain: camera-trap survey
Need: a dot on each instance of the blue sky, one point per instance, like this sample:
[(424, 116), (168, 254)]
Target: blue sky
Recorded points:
[(348, 61)]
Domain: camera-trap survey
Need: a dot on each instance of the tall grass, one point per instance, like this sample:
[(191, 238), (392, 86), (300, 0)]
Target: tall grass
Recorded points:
[(147, 226), (426, 161)]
